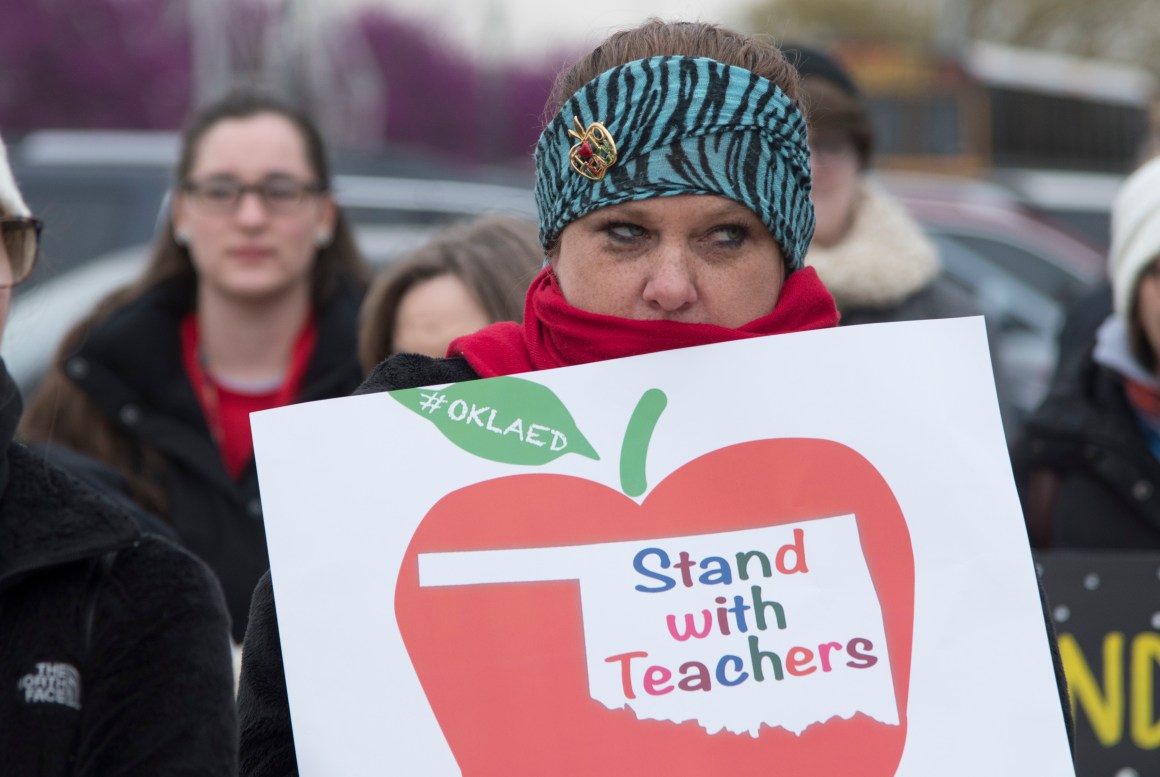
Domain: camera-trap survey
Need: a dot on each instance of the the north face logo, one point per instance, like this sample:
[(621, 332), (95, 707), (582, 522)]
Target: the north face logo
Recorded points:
[(52, 683)]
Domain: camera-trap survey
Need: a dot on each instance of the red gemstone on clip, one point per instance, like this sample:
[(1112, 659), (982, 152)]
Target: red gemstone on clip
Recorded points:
[(594, 152)]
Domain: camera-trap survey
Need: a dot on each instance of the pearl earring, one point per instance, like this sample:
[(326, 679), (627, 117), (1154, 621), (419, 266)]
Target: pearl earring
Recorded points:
[(181, 237), (322, 239)]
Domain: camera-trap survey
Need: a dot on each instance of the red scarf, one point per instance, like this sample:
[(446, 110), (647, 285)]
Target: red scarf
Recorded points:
[(1145, 398), (227, 412), (555, 334)]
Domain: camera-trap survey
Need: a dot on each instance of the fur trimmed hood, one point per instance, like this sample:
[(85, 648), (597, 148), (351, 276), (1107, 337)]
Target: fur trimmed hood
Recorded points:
[(883, 259)]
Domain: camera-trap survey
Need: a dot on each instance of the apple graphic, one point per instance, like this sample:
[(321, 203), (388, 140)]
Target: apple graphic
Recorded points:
[(504, 667)]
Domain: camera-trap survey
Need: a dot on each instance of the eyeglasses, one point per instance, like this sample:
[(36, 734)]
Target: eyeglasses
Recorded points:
[(280, 195), (20, 237)]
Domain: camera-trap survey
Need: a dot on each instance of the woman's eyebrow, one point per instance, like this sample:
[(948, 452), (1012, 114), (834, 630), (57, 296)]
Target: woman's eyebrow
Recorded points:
[(222, 174), (625, 210), (630, 210)]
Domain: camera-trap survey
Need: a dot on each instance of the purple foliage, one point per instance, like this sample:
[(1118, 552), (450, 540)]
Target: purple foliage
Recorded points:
[(527, 91), (93, 64), (126, 64), (439, 98), (432, 99)]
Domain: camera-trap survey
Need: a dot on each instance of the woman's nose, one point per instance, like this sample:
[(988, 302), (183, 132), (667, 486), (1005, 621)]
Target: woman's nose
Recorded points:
[(671, 286), (250, 208)]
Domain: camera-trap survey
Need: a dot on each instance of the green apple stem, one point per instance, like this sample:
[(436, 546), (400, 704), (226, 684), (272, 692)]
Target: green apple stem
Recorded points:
[(637, 437)]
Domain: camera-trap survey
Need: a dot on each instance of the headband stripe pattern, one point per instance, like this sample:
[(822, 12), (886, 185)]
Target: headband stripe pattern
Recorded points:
[(683, 125)]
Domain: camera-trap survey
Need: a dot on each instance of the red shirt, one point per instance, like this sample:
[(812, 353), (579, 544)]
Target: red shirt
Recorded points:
[(227, 410)]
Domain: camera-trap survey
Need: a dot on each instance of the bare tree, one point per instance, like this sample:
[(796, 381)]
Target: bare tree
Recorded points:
[(1124, 30), (822, 20), (310, 56)]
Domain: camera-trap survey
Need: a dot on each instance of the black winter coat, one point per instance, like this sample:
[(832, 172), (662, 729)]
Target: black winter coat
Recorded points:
[(1085, 472), (267, 739), (116, 653), (941, 298), (131, 367)]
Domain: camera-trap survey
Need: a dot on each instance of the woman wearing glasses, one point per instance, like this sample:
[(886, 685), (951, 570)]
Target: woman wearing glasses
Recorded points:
[(116, 656), (19, 238), (249, 302)]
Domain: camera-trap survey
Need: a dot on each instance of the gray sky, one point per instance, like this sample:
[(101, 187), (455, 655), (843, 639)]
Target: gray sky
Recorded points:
[(529, 28)]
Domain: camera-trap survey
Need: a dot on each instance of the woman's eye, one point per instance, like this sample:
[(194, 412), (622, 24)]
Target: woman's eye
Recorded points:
[(281, 192), (219, 194), (625, 232), (729, 234)]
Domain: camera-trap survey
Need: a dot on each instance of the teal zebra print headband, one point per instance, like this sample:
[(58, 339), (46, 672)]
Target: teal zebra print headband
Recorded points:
[(678, 125)]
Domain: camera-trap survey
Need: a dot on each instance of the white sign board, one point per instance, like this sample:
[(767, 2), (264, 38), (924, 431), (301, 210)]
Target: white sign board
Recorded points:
[(803, 551)]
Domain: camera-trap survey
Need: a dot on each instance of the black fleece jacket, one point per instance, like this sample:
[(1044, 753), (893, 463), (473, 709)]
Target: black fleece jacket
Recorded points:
[(1085, 471), (115, 658), (130, 366)]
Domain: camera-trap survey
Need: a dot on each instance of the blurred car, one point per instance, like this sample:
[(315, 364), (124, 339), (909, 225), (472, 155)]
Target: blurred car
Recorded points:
[(101, 191), (1079, 201), (391, 216), (96, 191), (1021, 268)]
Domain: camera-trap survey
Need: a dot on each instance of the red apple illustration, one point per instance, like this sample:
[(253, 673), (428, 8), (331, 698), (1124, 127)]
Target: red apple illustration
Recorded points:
[(503, 666)]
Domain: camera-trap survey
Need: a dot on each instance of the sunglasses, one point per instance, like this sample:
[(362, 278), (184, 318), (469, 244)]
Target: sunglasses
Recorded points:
[(20, 239)]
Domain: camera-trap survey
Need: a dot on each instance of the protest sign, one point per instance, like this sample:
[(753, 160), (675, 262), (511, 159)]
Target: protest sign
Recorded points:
[(1106, 606), (801, 554)]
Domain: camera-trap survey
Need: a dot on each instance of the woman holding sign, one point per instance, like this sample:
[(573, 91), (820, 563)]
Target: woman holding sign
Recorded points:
[(673, 188)]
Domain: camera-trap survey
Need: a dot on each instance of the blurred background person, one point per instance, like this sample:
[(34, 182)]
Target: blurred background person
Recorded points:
[(871, 254), (117, 642), (1086, 313), (466, 277), (249, 302), (1088, 466)]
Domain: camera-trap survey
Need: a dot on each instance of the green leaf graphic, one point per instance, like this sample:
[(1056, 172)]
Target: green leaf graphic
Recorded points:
[(505, 419)]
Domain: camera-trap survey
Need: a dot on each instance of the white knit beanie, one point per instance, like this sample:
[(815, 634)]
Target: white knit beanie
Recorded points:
[(11, 203), (1135, 234)]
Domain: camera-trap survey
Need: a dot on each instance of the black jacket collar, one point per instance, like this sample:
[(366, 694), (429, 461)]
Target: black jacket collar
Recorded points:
[(130, 366), (140, 346), (46, 517)]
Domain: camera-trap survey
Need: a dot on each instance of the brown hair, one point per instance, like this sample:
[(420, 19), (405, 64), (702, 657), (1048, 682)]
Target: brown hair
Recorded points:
[(833, 109), (60, 412), (656, 38), (496, 257), (340, 258)]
